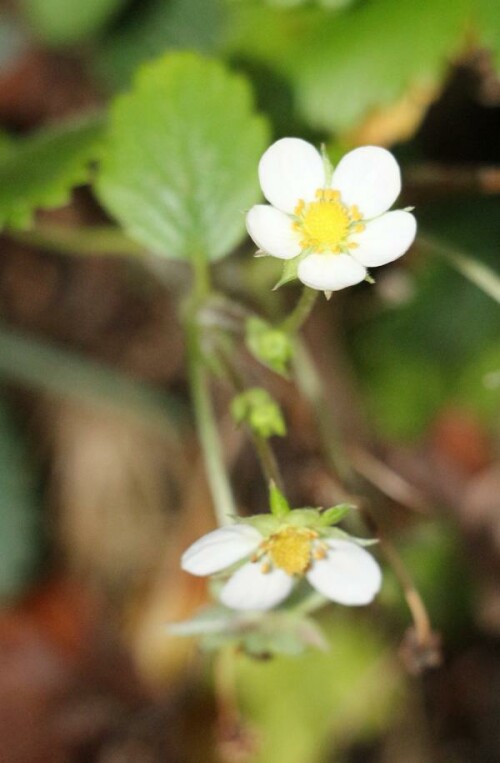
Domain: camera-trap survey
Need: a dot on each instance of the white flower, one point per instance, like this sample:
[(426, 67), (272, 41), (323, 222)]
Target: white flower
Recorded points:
[(339, 569), (340, 225)]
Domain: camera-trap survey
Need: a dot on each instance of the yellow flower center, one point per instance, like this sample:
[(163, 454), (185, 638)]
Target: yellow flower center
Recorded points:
[(326, 224), (291, 549)]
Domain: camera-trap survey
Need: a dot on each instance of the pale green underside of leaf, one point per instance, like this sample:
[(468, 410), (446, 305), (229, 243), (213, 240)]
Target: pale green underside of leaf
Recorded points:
[(180, 162), (345, 64), (40, 171)]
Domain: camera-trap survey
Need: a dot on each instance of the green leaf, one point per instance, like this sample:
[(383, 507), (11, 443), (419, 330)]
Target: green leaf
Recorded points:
[(62, 22), (152, 29), (40, 171), (181, 157), (277, 502), (329, 699), (488, 22), (343, 64), (372, 54), (18, 510)]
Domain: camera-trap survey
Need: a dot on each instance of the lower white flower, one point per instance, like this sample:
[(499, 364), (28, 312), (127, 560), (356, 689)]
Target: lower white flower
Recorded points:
[(336, 223), (340, 569)]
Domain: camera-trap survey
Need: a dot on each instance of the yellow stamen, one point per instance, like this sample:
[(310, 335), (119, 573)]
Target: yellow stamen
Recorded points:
[(326, 224), (320, 551), (290, 549)]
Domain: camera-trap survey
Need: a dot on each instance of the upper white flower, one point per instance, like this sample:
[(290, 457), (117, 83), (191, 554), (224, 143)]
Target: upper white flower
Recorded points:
[(339, 569), (340, 225)]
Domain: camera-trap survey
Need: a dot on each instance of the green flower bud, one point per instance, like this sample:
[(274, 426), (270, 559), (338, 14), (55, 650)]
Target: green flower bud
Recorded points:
[(269, 345), (256, 408)]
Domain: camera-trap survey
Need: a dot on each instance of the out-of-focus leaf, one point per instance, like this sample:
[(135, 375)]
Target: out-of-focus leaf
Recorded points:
[(403, 392), (40, 171), (433, 554), (18, 509), (414, 358), (154, 28), (6, 145), (261, 635), (12, 41), (346, 63), (478, 386), (488, 21), (59, 372), (180, 161), (63, 22), (350, 690), (360, 59)]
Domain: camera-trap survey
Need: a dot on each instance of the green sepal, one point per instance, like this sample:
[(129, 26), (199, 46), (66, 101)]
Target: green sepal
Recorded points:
[(335, 514), (289, 272), (259, 635), (277, 502), (337, 533), (266, 524)]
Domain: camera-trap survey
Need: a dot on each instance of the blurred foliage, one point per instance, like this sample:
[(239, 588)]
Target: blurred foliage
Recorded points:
[(41, 170), (441, 344), (173, 173), (59, 22), (67, 375), (442, 561), (304, 707), (160, 26), (19, 509)]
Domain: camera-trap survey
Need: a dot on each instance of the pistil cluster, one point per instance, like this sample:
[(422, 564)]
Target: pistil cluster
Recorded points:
[(326, 224)]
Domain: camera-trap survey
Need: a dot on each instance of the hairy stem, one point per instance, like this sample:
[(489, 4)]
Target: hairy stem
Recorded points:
[(263, 449), (301, 311), (218, 479)]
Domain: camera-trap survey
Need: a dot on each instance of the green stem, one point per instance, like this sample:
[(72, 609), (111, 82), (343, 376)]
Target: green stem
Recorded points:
[(263, 449), (220, 488), (310, 384), (267, 460), (301, 311)]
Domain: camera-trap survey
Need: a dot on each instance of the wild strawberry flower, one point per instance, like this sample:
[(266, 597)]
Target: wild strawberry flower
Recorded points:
[(267, 556), (336, 222)]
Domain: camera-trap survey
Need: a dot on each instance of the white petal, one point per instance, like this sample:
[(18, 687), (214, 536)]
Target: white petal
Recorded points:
[(370, 178), (291, 169), (219, 549), (348, 574), (249, 588), (330, 272), (272, 231), (385, 239)]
